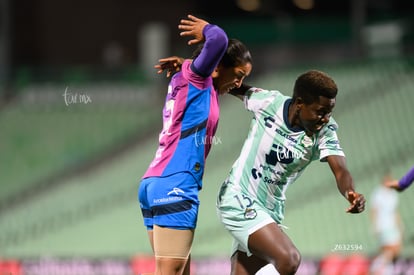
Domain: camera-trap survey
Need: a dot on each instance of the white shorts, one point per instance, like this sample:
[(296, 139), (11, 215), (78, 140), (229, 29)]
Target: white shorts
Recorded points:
[(389, 236), (241, 215)]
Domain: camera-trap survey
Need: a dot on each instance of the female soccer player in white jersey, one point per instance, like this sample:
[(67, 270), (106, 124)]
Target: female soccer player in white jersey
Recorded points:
[(286, 135)]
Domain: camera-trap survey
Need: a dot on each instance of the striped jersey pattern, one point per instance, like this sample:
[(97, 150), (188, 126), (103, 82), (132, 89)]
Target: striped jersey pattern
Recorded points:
[(274, 154)]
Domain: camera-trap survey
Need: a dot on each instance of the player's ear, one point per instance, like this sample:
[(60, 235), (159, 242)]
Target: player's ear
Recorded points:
[(215, 73), (299, 102)]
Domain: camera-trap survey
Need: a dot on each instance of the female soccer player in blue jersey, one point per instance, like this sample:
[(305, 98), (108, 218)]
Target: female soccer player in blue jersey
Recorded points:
[(168, 192), (286, 135)]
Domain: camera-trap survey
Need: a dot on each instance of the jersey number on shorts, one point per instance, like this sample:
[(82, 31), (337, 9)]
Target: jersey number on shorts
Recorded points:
[(245, 202)]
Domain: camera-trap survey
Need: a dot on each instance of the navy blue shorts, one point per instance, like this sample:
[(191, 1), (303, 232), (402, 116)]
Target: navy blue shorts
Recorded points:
[(170, 201)]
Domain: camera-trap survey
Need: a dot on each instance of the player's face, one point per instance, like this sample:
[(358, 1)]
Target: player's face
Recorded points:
[(314, 116), (229, 78)]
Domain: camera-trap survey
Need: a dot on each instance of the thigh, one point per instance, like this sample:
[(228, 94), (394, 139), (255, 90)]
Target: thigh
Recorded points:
[(241, 216), (172, 250), (172, 243), (273, 245)]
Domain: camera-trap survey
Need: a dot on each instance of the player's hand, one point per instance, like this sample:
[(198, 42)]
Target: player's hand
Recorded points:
[(357, 202), (193, 27), (170, 64), (394, 184)]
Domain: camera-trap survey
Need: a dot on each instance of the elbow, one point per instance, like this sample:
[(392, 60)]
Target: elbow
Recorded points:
[(217, 36), (221, 41)]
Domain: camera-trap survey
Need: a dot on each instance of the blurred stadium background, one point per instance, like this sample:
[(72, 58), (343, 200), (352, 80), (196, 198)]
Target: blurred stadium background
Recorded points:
[(80, 107)]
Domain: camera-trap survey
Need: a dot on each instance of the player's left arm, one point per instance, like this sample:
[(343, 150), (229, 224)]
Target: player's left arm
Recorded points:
[(345, 184), (173, 64), (406, 180), (170, 64)]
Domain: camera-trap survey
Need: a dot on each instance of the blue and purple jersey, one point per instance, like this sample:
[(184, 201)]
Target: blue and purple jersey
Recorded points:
[(191, 113)]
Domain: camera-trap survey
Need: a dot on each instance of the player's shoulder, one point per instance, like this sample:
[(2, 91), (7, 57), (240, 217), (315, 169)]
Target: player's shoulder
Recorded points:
[(332, 125), (198, 81), (260, 93)]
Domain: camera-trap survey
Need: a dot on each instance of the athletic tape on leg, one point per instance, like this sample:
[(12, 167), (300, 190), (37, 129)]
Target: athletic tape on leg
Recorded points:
[(172, 243)]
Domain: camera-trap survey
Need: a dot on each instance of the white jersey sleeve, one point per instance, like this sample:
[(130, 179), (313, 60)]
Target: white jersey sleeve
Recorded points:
[(257, 99), (328, 141)]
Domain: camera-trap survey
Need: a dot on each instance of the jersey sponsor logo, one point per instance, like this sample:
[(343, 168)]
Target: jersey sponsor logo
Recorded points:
[(269, 122), (277, 154), (283, 134), (176, 191), (258, 175), (270, 169), (281, 154), (167, 200), (270, 181)]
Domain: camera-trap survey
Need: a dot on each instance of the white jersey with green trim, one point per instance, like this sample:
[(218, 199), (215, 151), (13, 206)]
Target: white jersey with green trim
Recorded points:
[(274, 154)]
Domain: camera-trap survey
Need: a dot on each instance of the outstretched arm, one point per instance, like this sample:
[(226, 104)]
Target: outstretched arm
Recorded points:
[(345, 184), (404, 182), (214, 47)]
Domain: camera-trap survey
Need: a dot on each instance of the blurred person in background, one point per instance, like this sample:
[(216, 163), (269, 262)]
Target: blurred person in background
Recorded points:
[(168, 191), (387, 227), (285, 136), (404, 182)]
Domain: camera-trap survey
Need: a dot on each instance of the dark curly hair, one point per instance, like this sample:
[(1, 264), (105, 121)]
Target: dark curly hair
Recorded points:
[(312, 84)]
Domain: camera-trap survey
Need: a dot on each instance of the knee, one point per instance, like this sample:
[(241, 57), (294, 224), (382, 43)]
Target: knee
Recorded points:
[(289, 263)]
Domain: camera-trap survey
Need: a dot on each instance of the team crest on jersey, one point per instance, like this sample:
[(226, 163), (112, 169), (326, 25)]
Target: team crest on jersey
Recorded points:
[(250, 214)]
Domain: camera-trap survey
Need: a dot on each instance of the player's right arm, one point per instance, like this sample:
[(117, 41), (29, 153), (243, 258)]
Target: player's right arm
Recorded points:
[(345, 184)]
